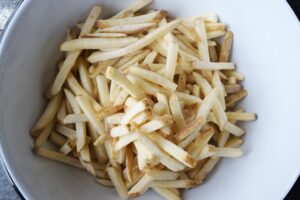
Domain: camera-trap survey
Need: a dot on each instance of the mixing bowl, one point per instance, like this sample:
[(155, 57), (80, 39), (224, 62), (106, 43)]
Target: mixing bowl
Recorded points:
[(266, 50)]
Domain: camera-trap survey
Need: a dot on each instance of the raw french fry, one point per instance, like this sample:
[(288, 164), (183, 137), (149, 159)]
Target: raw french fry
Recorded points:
[(67, 147), (116, 76), (47, 116), (135, 59), (99, 56), (174, 184), (144, 156), (149, 59), (156, 124), (216, 82), (61, 113), (101, 139), (241, 116), (68, 132), (97, 43), (175, 151), (214, 26), (188, 129), (166, 193), (142, 117), (234, 142), (176, 111), (140, 187), (233, 98), (159, 175), (72, 57), (90, 114), (108, 111), (203, 65), (57, 157), (226, 47), (215, 34), (57, 139), (116, 178), (119, 131), (114, 118), (125, 140), (233, 129), (202, 43), (206, 169), (188, 99), (134, 7), (74, 118), (171, 60), (105, 182), (213, 55), (165, 159), (84, 76), (128, 29), (121, 98), (130, 161), (150, 17), (132, 112), (104, 35), (44, 134), (102, 66), (232, 88)]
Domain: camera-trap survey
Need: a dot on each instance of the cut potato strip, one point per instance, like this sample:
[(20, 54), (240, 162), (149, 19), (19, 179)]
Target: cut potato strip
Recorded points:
[(116, 178), (47, 116), (202, 65), (128, 29), (44, 134), (136, 109), (174, 184), (104, 35), (149, 59), (62, 112), (155, 16), (72, 56), (234, 98), (233, 129), (134, 7), (160, 175), (140, 187), (125, 140), (156, 124), (105, 182), (119, 131), (57, 157), (103, 90), (57, 139), (171, 60), (226, 47), (241, 116), (232, 88), (176, 111), (189, 128), (99, 56)]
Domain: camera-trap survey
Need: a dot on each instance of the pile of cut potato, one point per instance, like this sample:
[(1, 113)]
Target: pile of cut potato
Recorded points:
[(143, 100)]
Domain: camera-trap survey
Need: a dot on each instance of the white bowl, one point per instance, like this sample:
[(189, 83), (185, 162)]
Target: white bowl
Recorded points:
[(266, 50)]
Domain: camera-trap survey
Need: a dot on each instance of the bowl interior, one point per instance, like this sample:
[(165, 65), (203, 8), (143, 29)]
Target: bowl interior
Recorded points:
[(266, 45)]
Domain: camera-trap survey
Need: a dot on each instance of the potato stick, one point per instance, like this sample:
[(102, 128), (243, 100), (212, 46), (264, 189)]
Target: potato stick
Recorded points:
[(68, 132), (120, 157), (228, 152), (176, 111), (123, 60), (129, 28), (104, 35), (183, 47), (213, 55), (155, 46), (57, 157), (130, 101), (74, 118), (202, 43), (132, 112), (67, 147), (119, 131), (237, 75), (102, 66), (134, 7), (142, 117), (223, 137), (61, 113), (207, 151), (160, 109), (163, 99), (171, 60), (174, 150), (233, 98), (97, 43), (181, 84), (144, 156), (57, 139), (110, 154), (216, 82), (140, 187), (203, 65), (78, 90), (196, 90), (141, 43), (105, 182), (130, 161), (116, 178), (84, 76), (150, 17), (217, 107), (101, 139), (226, 47), (232, 88), (189, 128), (72, 56), (188, 99), (166, 193), (211, 43), (137, 175), (114, 118), (196, 147), (156, 124), (90, 114), (125, 140), (44, 135), (185, 42), (233, 129), (215, 34), (189, 32), (234, 142), (165, 159), (47, 116), (206, 169), (232, 80), (174, 184), (161, 174), (116, 76), (136, 59), (121, 98), (241, 116), (214, 26), (68, 107), (149, 59)]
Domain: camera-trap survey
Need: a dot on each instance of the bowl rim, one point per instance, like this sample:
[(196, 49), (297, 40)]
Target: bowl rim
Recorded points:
[(17, 12)]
